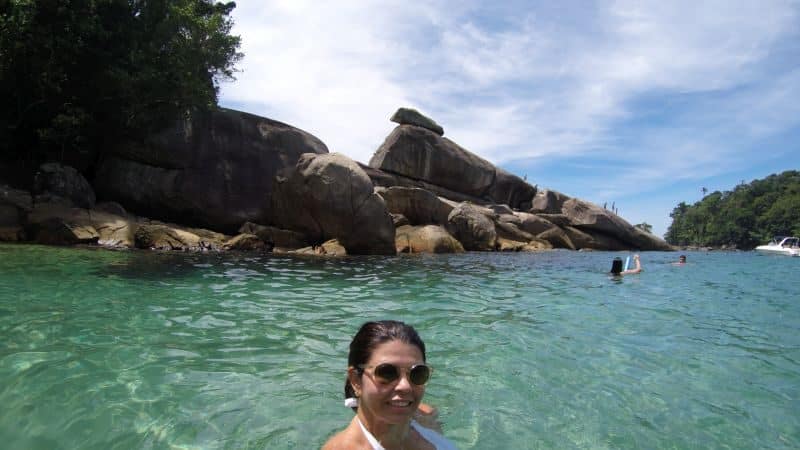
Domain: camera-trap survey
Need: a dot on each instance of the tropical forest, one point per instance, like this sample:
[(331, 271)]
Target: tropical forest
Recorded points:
[(747, 216)]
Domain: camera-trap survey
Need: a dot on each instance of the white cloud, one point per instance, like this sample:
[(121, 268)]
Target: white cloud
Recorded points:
[(561, 82)]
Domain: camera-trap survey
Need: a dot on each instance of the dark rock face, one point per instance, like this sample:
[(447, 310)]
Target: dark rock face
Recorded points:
[(408, 116), (215, 170), (55, 180), (423, 155), (329, 197)]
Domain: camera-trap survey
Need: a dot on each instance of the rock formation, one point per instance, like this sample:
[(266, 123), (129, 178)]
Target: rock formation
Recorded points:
[(215, 170), (280, 190), (328, 196)]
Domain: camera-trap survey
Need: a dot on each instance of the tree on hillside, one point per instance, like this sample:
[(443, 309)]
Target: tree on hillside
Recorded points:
[(644, 226), (744, 217), (78, 74)]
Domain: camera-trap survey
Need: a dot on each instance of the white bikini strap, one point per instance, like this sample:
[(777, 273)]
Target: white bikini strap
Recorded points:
[(370, 438)]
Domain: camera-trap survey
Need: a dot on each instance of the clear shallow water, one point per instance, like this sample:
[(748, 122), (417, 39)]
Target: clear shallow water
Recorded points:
[(129, 350)]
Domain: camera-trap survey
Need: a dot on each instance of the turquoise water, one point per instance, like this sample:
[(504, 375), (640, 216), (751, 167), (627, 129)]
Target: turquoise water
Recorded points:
[(130, 350)]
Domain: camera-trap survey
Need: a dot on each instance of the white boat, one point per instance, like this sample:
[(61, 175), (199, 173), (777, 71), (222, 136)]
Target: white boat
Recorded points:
[(782, 245)]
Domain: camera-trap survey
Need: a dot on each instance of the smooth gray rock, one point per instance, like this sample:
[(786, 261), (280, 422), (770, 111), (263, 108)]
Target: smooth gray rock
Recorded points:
[(610, 231), (408, 116), (548, 201), (534, 224), (472, 228), (328, 196), (423, 155), (558, 238), (419, 206), (511, 190)]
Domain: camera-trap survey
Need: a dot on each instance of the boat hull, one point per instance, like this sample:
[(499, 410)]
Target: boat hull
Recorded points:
[(778, 250)]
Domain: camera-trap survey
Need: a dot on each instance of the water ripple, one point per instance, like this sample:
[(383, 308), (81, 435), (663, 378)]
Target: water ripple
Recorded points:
[(163, 350)]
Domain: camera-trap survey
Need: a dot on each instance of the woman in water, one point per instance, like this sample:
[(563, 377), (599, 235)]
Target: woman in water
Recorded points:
[(386, 377), (616, 266)]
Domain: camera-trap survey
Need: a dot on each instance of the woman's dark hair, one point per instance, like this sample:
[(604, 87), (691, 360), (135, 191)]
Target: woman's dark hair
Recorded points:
[(370, 336), (616, 266)]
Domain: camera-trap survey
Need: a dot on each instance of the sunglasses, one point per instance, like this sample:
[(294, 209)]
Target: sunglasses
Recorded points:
[(386, 373)]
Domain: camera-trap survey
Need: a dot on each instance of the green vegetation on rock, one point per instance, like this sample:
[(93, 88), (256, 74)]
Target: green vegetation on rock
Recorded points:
[(749, 215), (77, 75)]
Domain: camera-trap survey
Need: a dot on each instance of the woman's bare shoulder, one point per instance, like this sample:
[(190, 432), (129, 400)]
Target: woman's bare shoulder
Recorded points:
[(344, 440)]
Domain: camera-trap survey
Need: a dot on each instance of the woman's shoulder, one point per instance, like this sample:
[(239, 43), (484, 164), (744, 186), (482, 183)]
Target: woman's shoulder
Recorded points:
[(344, 440)]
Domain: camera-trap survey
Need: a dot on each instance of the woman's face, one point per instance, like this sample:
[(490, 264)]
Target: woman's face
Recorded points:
[(394, 402)]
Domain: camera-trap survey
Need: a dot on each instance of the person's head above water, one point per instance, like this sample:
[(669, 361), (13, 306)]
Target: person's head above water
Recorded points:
[(369, 337), (387, 375), (682, 259), (616, 266)]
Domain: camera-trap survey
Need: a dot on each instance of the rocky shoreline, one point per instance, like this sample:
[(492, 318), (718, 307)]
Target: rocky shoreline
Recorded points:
[(229, 180)]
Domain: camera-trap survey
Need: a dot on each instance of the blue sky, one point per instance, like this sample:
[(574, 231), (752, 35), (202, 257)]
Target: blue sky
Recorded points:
[(639, 103)]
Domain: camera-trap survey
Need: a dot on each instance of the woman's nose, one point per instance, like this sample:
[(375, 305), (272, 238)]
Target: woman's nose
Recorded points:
[(403, 383)]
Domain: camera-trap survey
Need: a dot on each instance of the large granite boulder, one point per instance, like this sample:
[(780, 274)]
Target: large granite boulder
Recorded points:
[(511, 190), (381, 178), (54, 181), (586, 239), (419, 206), (328, 196), (601, 222), (408, 116), (215, 170), (426, 239), (548, 201), (508, 230), (470, 225), (558, 238), (533, 224), (421, 154)]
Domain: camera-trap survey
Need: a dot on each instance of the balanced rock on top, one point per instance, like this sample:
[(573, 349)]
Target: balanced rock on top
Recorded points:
[(408, 116)]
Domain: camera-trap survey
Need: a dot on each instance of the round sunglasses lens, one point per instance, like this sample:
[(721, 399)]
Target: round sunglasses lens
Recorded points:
[(386, 373), (419, 375)]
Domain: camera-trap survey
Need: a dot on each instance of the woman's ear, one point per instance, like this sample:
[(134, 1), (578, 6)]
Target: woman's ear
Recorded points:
[(355, 380)]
